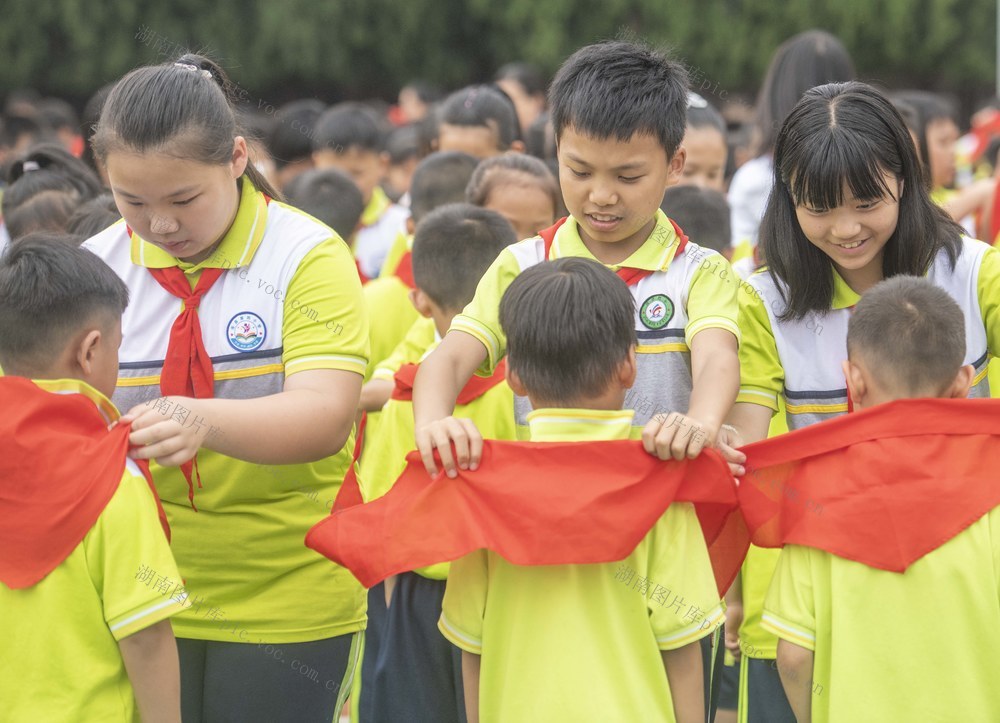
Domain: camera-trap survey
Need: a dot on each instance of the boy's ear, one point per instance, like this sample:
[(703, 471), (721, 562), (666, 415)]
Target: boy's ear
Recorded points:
[(628, 370), (86, 351), (963, 383), (421, 303), (677, 165), (514, 382), (857, 387), (411, 225)]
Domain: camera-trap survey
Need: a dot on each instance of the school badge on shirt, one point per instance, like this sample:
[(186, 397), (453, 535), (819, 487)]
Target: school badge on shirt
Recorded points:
[(246, 331), (656, 311)]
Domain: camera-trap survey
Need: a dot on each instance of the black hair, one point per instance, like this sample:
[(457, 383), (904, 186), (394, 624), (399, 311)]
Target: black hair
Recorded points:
[(426, 92), (494, 171), (702, 213), (186, 108), (524, 74), (911, 335), (802, 62), (452, 248), (15, 127), (701, 114), (439, 179), (291, 137), (847, 133), (329, 195), (540, 138), (486, 106), (93, 216), (349, 125), (404, 143), (617, 89), (926, 109), (45, 185), (57, 114), (88, 123), (49, 290), (569, 323)]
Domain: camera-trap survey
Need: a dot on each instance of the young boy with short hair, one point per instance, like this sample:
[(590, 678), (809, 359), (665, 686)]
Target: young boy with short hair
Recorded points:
[(619, 112), (350, 137), (571, 642), (331, 197), (87, 580), (417, 676), (885, 597)]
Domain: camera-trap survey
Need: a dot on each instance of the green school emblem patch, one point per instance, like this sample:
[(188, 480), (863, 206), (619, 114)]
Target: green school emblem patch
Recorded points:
[(656, 311)]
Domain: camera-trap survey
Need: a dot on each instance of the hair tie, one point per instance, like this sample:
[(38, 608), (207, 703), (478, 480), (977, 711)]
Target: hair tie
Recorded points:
[(195, 69), (29, 166), (696, 101)]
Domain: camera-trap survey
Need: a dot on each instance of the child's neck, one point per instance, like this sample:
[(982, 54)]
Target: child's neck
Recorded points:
[(613, 253), (610, 401), (860, 280)]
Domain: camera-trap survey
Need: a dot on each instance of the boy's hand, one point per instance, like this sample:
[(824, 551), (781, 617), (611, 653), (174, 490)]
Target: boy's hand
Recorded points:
[(676, 436), (727, 442), (156, 436), (734, 618), (440, 435)]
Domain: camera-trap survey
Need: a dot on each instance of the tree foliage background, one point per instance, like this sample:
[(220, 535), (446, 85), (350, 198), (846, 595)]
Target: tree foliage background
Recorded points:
[(335, 49)]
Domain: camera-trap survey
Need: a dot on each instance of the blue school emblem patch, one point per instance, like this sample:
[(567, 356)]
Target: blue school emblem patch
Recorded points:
[(246, 331), (656, 311)]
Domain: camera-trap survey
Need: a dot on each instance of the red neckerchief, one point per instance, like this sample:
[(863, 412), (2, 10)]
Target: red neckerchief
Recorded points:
[(59, 468), (630, 275), (475, 388), (404, 269), (551, 503), (882, 486)]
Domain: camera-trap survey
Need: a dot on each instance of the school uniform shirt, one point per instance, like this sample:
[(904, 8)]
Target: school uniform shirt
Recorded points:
[(748, 194), (381, 221), (391, 313), (593, 624), (917, 645), (402, 243), (289, 301), (684, 295), (61, 659), (799, 363)]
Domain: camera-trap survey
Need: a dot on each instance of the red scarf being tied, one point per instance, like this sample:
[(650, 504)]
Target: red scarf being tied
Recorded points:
[(59, 468), (552, 503), (884, 486)]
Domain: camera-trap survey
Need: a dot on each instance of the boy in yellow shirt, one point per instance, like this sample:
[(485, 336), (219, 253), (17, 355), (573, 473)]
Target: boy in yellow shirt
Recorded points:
[(862, 635), (417, 675), (572, 642), (619, 112), (87, 580)]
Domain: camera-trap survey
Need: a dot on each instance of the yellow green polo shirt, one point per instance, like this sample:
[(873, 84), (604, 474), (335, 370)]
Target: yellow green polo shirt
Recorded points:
[(583, 642), (400, 245), (914, 646), (251, 577), (391, 314), (60, 658)]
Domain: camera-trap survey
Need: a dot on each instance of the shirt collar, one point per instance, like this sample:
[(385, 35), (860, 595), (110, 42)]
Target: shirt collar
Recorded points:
[(236, 249), (655, 254), (579, 425), (844, 296), (377, 206), (77, 386)]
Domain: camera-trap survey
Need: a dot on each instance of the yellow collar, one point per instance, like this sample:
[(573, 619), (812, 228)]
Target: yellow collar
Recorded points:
[(377, 206), (579, 425), (77, 386), (236, 249), (655, 254), (844, 296)]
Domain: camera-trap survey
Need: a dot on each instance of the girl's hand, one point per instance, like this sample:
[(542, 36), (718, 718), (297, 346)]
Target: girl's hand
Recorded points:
[(727, 442), (440, 435), (155, 435), (676, 436)]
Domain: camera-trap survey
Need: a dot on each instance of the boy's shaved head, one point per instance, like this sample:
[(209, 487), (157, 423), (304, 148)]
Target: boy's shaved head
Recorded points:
[(910, 336), (618, 89)]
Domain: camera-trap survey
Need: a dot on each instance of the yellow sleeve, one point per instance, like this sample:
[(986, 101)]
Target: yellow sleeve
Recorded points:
[(711, 300), (988, 293), (684, 604), (994, 518), (790, 605), (481, 318), (130, 561), (400, 245), (410, 350), (762, 378), (325, 322), (464, 603)]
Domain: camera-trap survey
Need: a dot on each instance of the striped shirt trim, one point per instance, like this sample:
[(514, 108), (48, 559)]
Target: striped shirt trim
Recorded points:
[(224, 358), (750, 395), (786, 631), (827, 394), (127, 622), (460, 639), (220, 375), (840, 408), (476, 329), (332, 361), (711, 322), (693, 632), (662, 348)]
